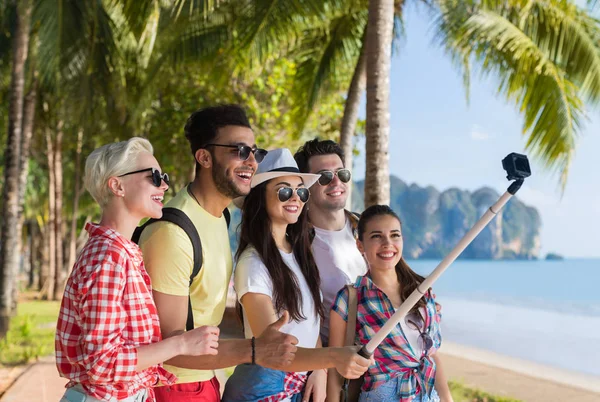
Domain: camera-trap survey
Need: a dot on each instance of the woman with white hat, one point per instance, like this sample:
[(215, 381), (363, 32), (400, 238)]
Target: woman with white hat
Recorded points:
[(276, 275)]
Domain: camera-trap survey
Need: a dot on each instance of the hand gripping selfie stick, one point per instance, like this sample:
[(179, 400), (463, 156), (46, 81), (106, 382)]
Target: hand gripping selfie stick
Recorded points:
[(517, 167)]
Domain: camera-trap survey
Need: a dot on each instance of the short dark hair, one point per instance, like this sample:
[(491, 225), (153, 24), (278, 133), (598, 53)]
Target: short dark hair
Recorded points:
[(203, 125), (316, 147)]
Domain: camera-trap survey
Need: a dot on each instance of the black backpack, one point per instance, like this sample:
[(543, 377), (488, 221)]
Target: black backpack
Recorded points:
[(179, 218)]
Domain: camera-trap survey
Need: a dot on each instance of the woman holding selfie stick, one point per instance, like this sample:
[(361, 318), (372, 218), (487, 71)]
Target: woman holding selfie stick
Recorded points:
[(406, 365)]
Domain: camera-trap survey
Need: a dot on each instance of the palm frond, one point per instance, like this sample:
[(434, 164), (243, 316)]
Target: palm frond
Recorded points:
[(327, 57), (545, 57)]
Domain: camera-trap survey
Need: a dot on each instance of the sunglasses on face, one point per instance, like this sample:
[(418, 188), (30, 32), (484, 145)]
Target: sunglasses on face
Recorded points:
[(285, 193), (327, 176), (244, 151), (157, 176)]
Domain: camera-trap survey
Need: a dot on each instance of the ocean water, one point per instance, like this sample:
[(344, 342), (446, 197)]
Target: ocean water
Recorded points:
[(543, 311)]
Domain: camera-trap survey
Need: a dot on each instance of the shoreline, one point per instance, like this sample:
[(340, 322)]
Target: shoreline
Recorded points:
[(516, 378)]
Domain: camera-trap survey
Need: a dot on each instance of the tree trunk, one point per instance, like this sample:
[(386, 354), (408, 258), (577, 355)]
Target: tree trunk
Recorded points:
[(51, 226), (9, 249), (44, 279), (34, 253), (76, 196), (27, 134), (58, 216), (357, 87), (379, 50)]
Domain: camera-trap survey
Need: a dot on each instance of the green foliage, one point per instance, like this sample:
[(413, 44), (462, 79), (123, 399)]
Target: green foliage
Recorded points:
[(462, 393), (31, 333), (545, 56), (265, 95)]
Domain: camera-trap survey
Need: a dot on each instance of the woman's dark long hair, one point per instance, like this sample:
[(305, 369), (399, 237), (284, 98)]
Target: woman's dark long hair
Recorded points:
[(408, 279), (256, 231)]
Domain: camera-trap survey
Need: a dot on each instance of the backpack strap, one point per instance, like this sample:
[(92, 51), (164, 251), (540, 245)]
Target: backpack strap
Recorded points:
[(179, 218), (227, 216), (352, 311), (354, 217), (345, 395)]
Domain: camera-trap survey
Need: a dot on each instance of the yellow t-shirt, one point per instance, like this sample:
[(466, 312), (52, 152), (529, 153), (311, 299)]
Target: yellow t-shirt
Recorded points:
[(169, 257)]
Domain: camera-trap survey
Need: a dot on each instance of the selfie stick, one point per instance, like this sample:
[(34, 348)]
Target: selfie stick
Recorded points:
[(517, 167)]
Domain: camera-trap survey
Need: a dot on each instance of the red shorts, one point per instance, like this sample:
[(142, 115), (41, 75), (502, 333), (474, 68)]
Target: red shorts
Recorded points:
[(203, 391)]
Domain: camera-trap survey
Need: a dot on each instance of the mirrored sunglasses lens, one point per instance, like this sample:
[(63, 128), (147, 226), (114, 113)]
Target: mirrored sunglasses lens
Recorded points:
[(344, 175), (260, 154), (165, 177), (284, 193), (326, 178), (244, 152), (303, 194)]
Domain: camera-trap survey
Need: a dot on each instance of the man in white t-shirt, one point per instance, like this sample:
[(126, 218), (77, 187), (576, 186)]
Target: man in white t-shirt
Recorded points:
[(334, 245)]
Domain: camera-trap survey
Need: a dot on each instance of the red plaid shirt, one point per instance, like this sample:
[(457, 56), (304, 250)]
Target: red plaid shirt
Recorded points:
[(293, 383), (106, 312)]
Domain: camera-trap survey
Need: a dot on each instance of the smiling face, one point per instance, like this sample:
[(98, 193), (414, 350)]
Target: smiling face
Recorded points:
[(231, 175), (331, 197), (382, 242), (286, 212), (140, 196)]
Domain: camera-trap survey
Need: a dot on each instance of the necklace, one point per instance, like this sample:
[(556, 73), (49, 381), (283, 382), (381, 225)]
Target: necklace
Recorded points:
[(189, 190)]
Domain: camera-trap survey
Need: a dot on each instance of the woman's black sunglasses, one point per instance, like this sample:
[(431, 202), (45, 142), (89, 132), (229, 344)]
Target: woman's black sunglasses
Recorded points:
[(425, 340), (327, 176), (285, 193), (157, 176), (244, 151)]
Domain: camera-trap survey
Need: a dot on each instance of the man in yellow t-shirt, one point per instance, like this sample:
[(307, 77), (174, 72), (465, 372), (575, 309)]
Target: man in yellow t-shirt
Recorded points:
[(222, 143)]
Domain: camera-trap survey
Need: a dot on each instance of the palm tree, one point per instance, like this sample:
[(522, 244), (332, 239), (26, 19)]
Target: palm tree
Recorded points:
[(379, 49), (9, 255), (546, 57)]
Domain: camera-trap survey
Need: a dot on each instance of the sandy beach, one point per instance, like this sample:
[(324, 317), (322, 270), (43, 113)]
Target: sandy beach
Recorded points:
[(493, 373), (507, 376), (496, 373)]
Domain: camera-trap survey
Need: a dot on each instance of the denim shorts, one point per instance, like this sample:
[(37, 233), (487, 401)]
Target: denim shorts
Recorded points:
[(389, 391), (252, 383), (77, 394)]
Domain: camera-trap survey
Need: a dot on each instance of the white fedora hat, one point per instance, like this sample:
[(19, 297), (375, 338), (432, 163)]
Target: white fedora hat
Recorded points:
[(277, 163)]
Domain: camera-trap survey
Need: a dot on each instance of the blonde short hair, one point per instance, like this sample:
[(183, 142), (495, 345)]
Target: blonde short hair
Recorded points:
[(112, 160)]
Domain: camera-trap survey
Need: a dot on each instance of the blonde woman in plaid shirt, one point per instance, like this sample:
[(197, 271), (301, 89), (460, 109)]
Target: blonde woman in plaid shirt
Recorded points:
[(108, 341), (406, 366)]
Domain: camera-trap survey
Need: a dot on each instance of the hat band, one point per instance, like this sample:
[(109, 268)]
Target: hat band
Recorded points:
[(285, 169)]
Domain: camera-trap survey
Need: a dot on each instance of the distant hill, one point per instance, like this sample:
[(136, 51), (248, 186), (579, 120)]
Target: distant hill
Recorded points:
[(433, 222)]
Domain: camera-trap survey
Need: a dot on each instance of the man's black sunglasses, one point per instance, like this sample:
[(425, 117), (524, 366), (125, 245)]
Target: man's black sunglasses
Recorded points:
[(157, 176), (327, 176), (285, 193), (244, 151)]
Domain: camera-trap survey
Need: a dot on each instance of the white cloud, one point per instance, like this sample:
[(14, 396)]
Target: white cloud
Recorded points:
[(479, 134)]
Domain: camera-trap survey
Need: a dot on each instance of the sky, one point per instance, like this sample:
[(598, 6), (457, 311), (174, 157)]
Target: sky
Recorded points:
[(437, 139)]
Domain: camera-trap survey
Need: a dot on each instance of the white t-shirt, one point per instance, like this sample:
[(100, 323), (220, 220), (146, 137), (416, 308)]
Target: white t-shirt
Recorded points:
[(251, 276), (339, 263)]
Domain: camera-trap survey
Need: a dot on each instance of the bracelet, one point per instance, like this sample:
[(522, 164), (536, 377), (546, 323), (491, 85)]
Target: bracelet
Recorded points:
[(253, 342)]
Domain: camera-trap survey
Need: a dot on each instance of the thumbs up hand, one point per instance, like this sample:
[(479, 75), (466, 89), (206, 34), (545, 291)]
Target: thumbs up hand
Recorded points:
[(275, 349)]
